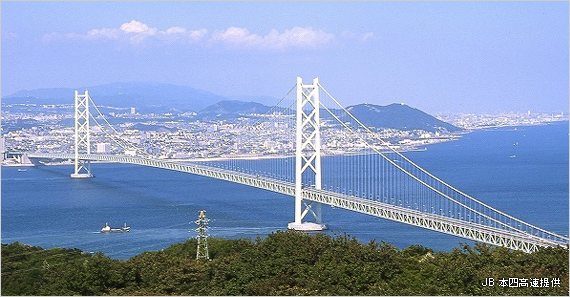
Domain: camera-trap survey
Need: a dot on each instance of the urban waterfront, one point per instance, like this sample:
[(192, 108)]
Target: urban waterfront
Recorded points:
[(522, 171)]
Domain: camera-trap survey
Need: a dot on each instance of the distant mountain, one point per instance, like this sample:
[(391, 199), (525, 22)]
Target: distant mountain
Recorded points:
[(49, 96), (396, 116), (265, 100), (133, 94), (228, 109), (393, 116), (148, 96)]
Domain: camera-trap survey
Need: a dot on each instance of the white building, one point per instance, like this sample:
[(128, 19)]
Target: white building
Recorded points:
[(103, 148)]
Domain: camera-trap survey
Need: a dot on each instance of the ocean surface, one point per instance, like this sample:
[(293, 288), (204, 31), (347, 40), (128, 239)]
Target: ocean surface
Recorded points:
[(522, 171)]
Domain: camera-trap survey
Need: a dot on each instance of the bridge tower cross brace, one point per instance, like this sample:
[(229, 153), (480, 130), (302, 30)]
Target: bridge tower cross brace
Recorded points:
[(82, 140), (307, 154)]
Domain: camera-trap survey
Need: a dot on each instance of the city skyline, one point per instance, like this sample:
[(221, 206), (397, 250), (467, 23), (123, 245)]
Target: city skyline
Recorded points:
[(438, 57)]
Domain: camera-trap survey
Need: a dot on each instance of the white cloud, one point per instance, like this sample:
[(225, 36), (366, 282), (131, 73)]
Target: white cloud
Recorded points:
[(105, 33), (174, 34), (298, 37), (174, 30), (134, 27), (197, 34), (133, 32), (235, 35), (136, 32)]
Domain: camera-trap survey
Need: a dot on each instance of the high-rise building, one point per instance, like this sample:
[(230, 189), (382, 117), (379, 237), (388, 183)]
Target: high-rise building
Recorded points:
[(103, 148)]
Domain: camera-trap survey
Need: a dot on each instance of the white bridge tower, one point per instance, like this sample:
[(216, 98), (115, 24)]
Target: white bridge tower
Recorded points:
[(82, 142), (307, 154)]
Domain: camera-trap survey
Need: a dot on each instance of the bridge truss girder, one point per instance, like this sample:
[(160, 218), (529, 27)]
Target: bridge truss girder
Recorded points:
[(491, 235)]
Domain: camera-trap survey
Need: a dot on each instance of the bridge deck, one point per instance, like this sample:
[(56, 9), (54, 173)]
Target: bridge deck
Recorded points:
[(512, 239)]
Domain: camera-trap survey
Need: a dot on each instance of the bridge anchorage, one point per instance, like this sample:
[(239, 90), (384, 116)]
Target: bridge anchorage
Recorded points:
[(377, 180)]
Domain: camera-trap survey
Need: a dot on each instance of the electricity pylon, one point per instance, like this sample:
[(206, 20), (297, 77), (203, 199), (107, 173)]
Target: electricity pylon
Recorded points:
[(202, 249)]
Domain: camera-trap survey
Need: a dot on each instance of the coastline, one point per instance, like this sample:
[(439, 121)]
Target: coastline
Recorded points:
[(522, 124), (415, 146), (133, 190), (404, 145)]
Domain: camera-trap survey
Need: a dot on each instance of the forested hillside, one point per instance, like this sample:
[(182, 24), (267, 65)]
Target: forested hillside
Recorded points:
[(286, 263)]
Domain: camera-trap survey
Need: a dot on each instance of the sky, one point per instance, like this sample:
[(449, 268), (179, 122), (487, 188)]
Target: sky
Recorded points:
[(471, 57)]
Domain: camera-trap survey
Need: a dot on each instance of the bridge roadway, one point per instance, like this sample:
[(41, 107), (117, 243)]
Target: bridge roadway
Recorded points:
[(478, 232)]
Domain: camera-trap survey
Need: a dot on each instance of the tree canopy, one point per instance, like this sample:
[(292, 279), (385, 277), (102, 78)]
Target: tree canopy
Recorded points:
[(287, 263)]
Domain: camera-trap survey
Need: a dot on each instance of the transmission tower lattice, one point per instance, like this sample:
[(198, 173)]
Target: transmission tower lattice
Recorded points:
[(202, 249)]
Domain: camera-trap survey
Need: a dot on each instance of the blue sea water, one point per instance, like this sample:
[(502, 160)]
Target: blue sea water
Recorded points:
[(522, 171)]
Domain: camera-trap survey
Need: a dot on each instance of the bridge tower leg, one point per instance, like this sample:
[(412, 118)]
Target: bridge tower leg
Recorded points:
[(82, 142), (307, 155)]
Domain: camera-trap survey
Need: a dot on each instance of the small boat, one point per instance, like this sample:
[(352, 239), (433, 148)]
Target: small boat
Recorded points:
[(108, 228), (21, 170)]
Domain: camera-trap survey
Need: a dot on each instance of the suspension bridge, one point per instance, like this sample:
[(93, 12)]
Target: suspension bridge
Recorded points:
[(319, 153)]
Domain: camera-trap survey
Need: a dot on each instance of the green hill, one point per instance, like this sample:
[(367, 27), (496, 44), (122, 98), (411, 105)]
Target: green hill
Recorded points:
[(284, 263), (397, 116)]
